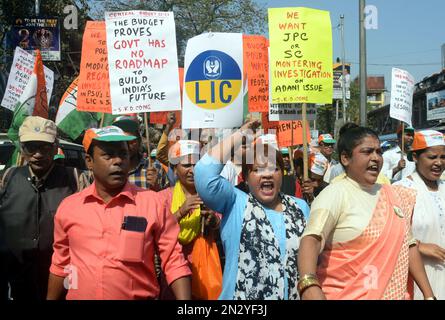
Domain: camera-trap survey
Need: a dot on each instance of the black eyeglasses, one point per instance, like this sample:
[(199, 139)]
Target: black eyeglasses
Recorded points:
[(37, 146)]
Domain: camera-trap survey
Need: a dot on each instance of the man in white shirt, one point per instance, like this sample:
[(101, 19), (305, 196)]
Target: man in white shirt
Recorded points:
[(322, 161), (395, 167)]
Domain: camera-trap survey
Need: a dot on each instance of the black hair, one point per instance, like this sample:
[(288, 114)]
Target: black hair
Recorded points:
[(352, 138), (418, 153), (346, 127)]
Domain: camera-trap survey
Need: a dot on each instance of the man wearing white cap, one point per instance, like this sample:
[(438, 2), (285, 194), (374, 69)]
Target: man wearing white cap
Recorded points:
[(28, 201)]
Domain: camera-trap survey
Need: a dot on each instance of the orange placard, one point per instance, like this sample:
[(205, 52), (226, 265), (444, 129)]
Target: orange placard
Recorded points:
[(283, 130), (94, 86), (256, 67), (161, 117)]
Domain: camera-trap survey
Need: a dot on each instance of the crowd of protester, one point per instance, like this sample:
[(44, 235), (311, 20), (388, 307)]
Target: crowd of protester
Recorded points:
[(228, 217)]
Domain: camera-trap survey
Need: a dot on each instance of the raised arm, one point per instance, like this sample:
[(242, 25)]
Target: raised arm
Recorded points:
[(217, 192), (222, 151), (162, 148)]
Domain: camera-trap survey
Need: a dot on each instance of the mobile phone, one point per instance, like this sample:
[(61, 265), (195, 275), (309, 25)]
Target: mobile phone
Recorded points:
[(133, 223)]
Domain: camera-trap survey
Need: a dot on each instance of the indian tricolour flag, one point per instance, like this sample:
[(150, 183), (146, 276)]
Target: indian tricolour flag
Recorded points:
[(68, 119), (72, 122)]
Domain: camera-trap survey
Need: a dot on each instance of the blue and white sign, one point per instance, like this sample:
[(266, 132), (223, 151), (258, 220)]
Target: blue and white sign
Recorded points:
[(213, 81)]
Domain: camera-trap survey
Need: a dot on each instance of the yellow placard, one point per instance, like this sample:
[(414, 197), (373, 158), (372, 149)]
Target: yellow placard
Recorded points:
[(300, 55)]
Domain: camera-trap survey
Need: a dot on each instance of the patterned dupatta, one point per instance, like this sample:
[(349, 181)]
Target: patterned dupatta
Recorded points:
[(261, 272)]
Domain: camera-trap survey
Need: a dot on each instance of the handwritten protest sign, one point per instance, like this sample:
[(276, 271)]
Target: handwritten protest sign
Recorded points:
[(256, 67), (402, 90), (143, 61), (161, 117), (21, 71), (289, 133), (300, 55), (213, 89), (93, 86)]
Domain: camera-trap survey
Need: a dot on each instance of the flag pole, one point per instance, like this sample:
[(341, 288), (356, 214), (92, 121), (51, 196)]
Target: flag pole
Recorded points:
[(305, 148), (403, 139), (147, 137), (290, 149), (102, 120)]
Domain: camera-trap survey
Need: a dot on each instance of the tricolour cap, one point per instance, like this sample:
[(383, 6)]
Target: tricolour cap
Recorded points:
[(407, 129), (426, 139), (37, 129), (107, 134), (183, 148), (319, 164), (326, 138)]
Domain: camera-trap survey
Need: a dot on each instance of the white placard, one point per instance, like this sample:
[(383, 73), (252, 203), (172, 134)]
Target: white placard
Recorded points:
[(213, 81), (402, 90), (21, 71), (143, 61)]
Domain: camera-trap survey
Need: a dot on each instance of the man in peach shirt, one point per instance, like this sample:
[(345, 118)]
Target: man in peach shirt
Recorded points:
[(106, 236)]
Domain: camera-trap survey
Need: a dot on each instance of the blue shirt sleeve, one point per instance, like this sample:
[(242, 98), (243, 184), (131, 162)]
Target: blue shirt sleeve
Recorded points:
[(216, 192)]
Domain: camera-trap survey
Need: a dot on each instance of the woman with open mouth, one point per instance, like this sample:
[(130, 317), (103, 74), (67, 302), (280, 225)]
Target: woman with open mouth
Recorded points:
[(428, 223), (260, 230), (358, 243)]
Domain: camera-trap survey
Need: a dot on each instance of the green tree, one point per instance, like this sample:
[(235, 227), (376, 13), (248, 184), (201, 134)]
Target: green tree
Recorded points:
[(353, 110), (194, 17)]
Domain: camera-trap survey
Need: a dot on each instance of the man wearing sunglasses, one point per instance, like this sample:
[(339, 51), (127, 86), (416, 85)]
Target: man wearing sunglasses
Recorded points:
[(29, 199), (321, 162)]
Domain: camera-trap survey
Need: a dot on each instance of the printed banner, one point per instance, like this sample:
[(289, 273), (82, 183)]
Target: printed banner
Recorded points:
[(300, 55), (290, 112), (435, 105), (31, 34), (256, 67), (338, 81), (289, 133), (143, 61), (213, 96), (94, 86), (402, 91), (21, 71)]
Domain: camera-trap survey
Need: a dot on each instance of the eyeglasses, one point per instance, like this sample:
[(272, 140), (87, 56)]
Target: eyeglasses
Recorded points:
[(31, 148), (328, 146)]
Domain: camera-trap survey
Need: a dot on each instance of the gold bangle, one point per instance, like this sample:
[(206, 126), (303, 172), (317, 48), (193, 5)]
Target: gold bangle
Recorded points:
[(307, 281), (431, 298)]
